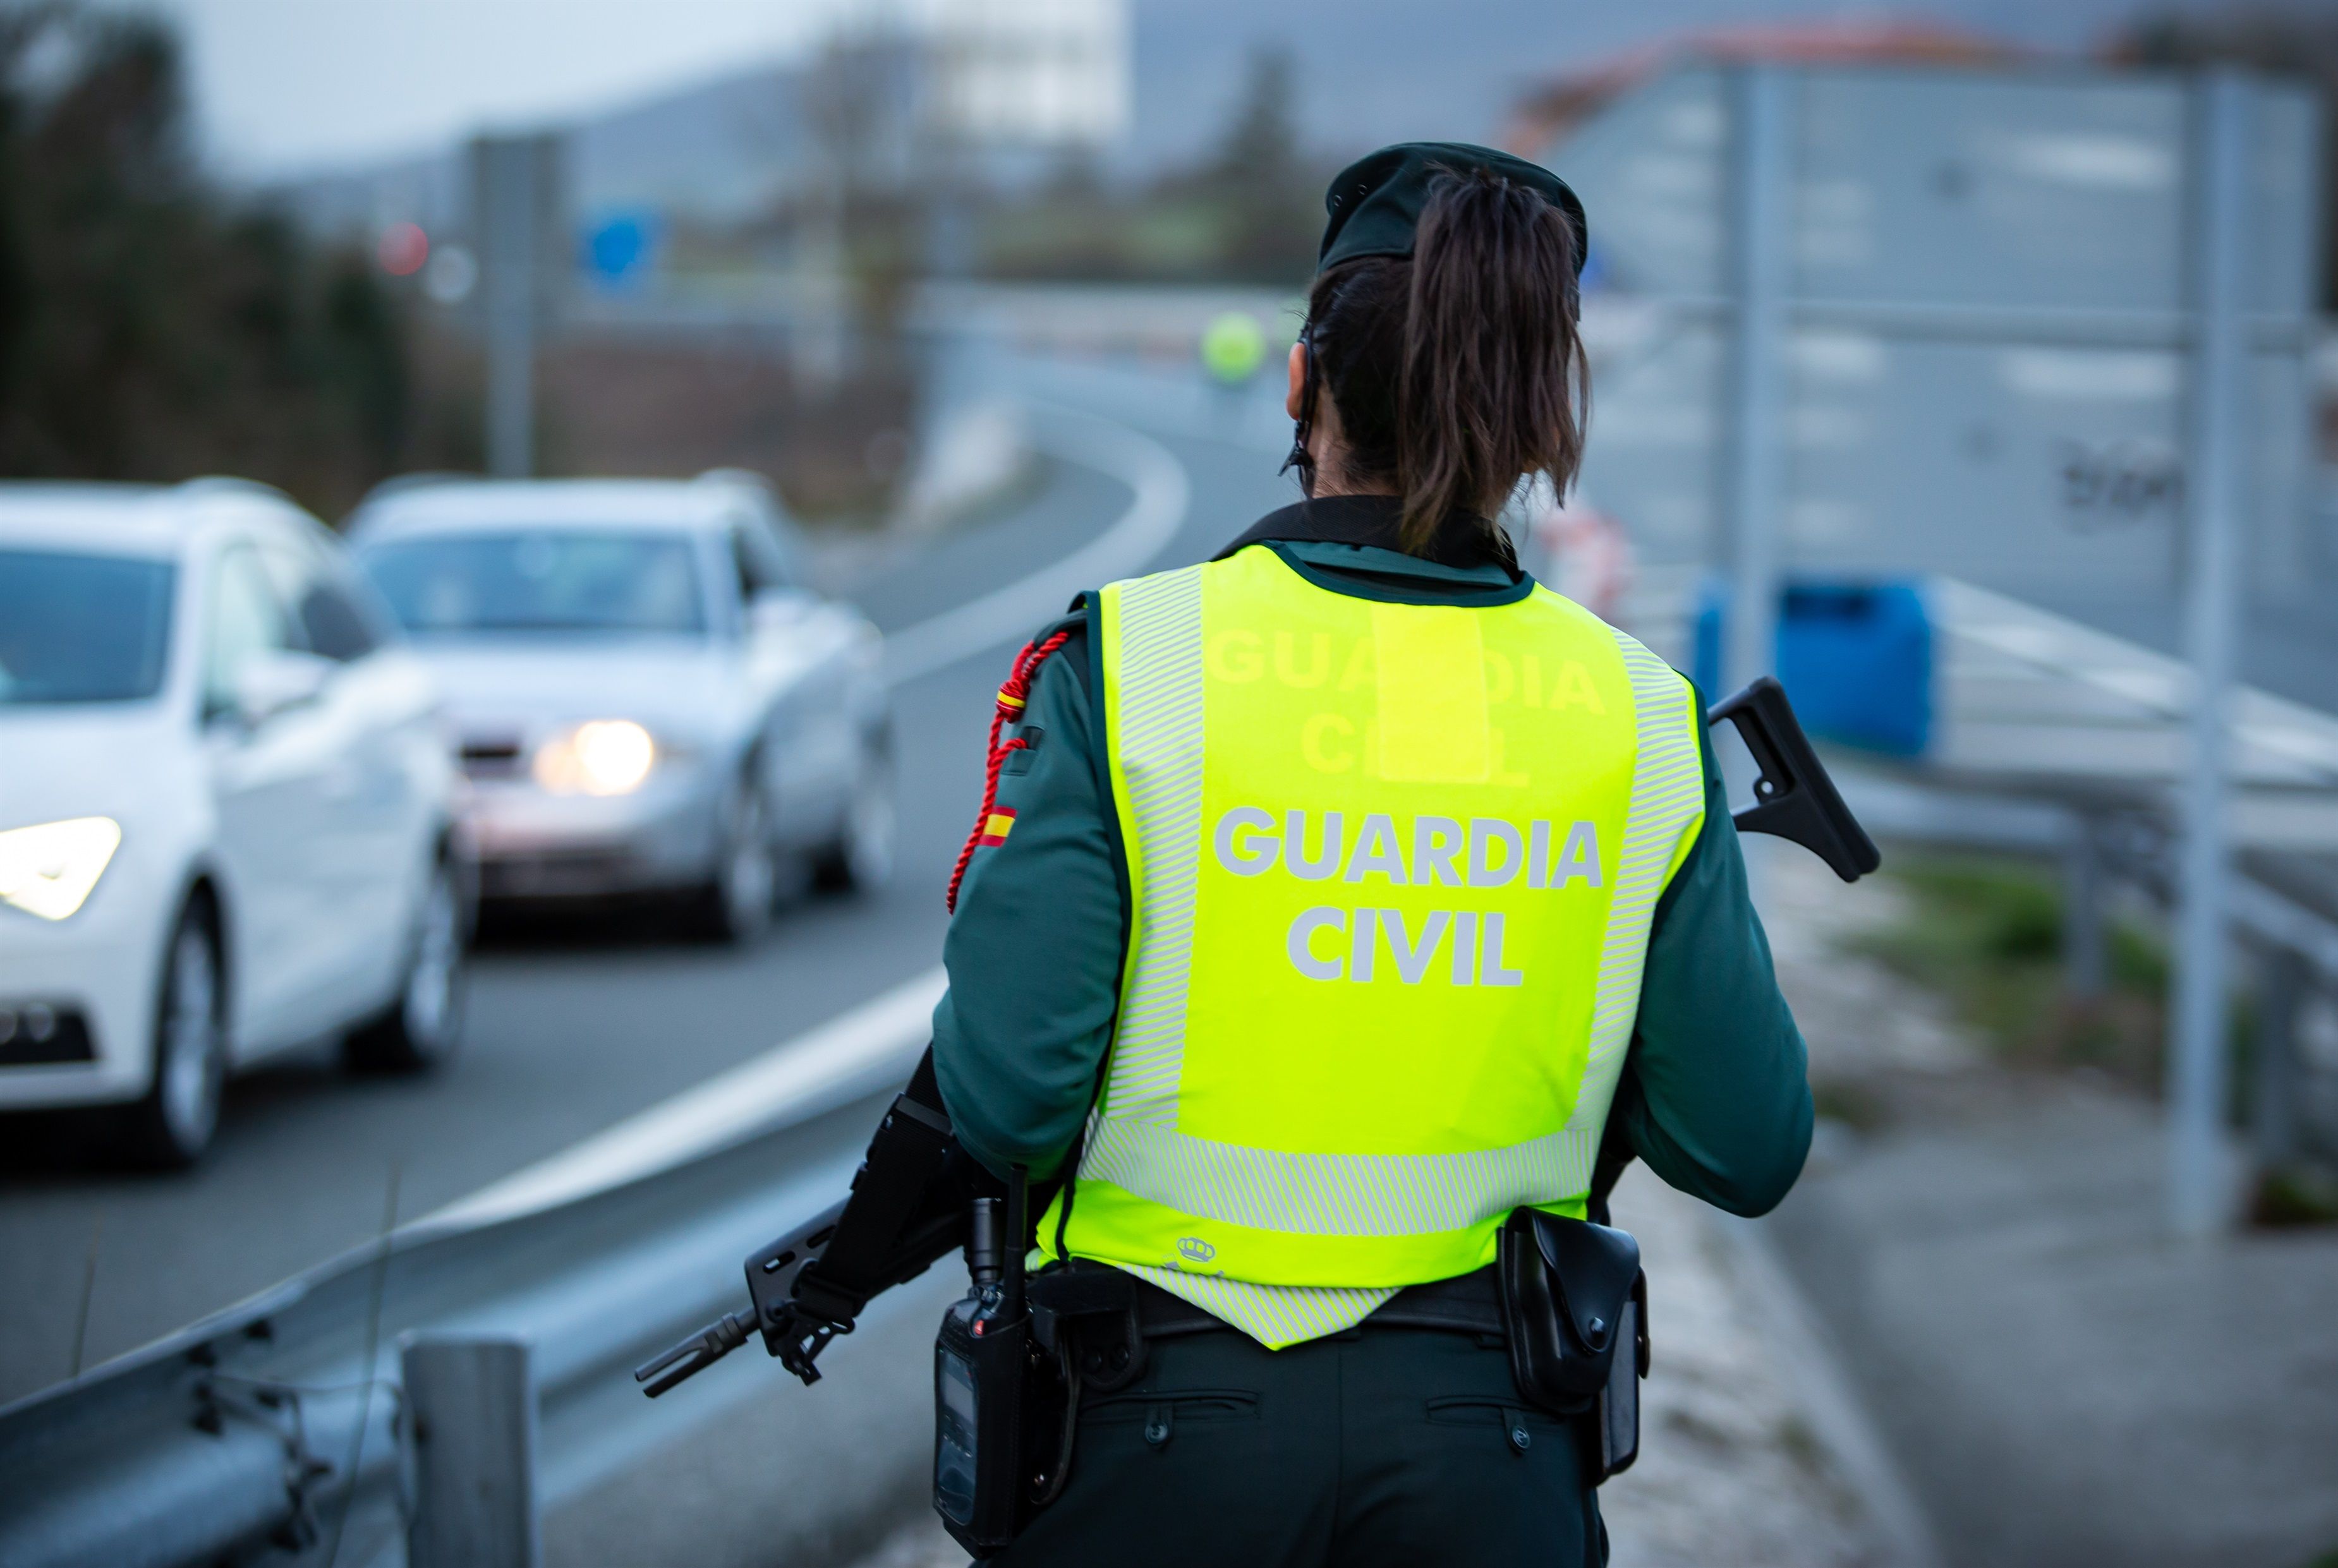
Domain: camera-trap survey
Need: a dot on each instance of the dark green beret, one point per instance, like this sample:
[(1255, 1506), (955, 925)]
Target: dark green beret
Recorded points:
[(1375, 202)]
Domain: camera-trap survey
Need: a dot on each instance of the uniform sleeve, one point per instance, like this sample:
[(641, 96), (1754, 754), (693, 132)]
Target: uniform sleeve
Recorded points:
[(1715, 1093), (1033, 952)]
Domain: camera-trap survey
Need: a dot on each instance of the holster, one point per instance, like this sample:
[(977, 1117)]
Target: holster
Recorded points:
[(1087, 1314), (1573, 1299)]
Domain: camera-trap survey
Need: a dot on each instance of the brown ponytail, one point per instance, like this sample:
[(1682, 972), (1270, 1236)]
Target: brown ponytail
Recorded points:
[(1458, 371)]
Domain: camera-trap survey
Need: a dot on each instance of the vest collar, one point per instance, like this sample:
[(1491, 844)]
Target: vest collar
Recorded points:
[(1373, 520)]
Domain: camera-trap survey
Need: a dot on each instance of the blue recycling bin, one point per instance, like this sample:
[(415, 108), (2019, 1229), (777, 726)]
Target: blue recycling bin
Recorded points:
[(1855, 659)]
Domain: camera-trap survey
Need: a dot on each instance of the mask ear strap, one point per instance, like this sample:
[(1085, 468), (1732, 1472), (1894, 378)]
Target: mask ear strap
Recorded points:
[(1301, 457)]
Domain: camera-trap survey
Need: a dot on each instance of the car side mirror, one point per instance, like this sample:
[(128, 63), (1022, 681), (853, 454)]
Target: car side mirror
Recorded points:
[(276, 680)]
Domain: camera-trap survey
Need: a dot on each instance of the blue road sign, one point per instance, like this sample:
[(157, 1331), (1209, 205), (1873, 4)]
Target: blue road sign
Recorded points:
[(621, 248)]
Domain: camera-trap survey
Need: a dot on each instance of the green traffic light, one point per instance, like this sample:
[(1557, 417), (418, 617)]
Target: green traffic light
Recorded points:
[(1234, 347)]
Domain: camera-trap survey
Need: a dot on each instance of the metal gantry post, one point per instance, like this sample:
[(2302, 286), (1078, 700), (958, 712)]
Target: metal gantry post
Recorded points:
[(508, 169), (2198, 1176), (1763, 188), (2085, 956)]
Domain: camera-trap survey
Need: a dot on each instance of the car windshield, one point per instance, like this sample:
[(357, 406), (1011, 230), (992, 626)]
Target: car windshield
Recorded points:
[(77, 628), (540, 580)]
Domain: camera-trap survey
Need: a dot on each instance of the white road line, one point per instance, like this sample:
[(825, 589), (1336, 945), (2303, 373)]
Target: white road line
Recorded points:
[(874, 1044), (1175, 405), (1019, 609)]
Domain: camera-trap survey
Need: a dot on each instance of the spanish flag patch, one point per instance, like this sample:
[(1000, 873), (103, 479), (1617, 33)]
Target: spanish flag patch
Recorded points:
[(996, 826)]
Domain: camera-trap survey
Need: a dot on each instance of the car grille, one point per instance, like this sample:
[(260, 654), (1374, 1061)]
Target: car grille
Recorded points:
[(36, 1034), (485, 757), (565, 875)]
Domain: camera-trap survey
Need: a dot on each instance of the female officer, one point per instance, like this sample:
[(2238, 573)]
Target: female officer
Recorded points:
[(1339, 896)]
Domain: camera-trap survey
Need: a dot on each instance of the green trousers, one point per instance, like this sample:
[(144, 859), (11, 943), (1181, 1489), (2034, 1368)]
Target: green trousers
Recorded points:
[(1376, 1448)]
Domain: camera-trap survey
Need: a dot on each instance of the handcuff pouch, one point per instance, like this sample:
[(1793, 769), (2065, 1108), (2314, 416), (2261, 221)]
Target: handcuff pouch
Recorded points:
[(1573, 1297)]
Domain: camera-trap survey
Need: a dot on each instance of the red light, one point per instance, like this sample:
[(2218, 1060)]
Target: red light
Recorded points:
[(403, 248)]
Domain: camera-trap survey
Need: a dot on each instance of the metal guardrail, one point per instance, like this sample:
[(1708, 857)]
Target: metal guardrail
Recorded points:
[(269, 1426), (2293, 1094), (2057, 740), (1894, 807)]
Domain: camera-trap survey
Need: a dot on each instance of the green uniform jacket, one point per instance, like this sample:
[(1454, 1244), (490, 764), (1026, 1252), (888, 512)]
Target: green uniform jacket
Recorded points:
[(1714, 1094)]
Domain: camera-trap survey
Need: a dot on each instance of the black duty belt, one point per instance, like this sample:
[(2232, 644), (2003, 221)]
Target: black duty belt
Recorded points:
[(1100, 1320), (1466, 1304)]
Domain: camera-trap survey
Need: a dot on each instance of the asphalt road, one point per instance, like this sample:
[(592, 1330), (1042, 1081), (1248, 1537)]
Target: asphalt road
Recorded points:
[(574, 1023)]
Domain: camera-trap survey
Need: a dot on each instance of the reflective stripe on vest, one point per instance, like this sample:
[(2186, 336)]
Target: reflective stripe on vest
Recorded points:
[(1392, 873)]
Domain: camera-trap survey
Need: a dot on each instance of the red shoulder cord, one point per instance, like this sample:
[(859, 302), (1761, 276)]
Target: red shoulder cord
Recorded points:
[(1012, 697)]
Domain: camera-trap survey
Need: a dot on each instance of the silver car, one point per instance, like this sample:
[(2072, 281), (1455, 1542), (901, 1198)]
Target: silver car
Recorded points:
[(648, 696)]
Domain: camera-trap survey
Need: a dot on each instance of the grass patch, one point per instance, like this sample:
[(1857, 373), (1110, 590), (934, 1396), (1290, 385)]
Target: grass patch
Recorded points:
[(2296, 1195), (1985, 933), (1849, 1102)]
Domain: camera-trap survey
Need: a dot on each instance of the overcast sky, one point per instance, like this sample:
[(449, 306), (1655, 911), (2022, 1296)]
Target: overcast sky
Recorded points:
[(286, 86), (281, 85)]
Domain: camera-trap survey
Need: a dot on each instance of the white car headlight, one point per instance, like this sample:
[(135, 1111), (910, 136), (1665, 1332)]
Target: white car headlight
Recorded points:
[(49, 869), (604, 757)]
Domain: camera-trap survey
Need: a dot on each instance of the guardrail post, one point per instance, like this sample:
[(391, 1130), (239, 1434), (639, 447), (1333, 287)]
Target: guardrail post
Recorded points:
[(471, 1407), (2273, 1110), (2086, 967)]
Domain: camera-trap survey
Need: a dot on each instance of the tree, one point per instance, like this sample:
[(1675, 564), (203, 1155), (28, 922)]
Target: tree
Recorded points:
[(149, 328), (859, 107), (1261, 175)]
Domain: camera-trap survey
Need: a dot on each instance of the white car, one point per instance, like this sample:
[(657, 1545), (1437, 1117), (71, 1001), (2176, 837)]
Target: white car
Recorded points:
[(228, 808), (649, 697)]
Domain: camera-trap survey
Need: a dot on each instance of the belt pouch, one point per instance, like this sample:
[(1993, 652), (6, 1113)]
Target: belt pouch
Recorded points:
[(1087, 1314), (1617, 1415), (1571, 1293)]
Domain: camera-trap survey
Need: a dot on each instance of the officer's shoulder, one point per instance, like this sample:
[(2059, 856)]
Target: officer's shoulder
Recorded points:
[(1165, 576), (1578, 618), (1072, 627), (1635, 654)]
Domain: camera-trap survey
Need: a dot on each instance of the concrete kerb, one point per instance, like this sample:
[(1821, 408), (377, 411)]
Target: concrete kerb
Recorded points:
[(1828, 1397)]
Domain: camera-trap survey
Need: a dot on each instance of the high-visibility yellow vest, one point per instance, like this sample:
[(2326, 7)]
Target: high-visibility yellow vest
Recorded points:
[(1391, 870)]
